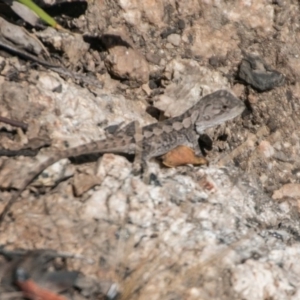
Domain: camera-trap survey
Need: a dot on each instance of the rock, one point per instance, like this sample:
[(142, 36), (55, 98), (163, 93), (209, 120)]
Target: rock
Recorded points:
[(83, 182), (254, 71), (146, 89), (194, 232), (189, 82), (290, 190), (123, 60), (127, 63), (266, 149), (19, 36), (140, 13), (73, 46), (153, 58), (15, 100), (174, 39), (51, 83)]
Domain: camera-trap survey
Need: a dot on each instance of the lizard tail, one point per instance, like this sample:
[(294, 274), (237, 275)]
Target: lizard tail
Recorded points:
[(90, 148)]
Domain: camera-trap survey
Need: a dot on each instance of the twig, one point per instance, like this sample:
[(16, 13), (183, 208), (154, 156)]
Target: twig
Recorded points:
[(15, 123), (56, 68)]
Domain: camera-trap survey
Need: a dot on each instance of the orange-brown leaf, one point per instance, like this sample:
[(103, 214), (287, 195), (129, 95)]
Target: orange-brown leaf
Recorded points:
[(33, 291), (182, 155)]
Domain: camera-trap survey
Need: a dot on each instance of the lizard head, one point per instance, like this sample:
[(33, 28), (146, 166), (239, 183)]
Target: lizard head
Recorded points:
[(217, 108)]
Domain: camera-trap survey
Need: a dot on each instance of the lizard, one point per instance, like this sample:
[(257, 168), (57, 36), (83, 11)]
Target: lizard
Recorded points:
[(152, 140)]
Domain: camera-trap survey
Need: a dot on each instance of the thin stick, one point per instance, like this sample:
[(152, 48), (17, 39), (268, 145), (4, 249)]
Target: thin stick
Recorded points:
[(15, 123)]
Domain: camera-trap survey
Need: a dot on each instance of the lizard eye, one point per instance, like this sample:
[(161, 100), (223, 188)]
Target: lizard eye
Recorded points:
[(206, 118), (224, 106)]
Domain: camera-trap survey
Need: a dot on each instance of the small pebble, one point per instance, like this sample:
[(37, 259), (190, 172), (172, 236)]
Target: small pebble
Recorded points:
[(174, 39)]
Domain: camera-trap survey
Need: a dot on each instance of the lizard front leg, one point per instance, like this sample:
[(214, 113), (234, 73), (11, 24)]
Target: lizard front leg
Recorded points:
[(193, 141)]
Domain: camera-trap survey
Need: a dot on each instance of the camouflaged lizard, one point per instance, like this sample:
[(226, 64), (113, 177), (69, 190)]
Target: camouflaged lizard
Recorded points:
[(155, 139)]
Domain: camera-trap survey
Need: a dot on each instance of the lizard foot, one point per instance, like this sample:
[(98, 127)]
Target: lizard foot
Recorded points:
[(137, 169)]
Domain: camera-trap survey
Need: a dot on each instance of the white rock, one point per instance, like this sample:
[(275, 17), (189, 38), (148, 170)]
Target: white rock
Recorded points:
[(174, 39)]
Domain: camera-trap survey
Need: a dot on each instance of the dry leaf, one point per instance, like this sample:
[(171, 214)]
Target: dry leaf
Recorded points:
[(182, 155)]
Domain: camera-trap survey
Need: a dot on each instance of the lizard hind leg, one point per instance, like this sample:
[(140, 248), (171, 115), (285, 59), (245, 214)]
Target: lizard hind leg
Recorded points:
[(138, 138)]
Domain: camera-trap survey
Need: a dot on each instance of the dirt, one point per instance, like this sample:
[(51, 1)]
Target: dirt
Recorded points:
[(150, 60)]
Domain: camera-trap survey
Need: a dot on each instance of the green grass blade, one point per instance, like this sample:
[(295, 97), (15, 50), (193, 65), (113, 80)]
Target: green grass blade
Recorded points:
[(41, 13)]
